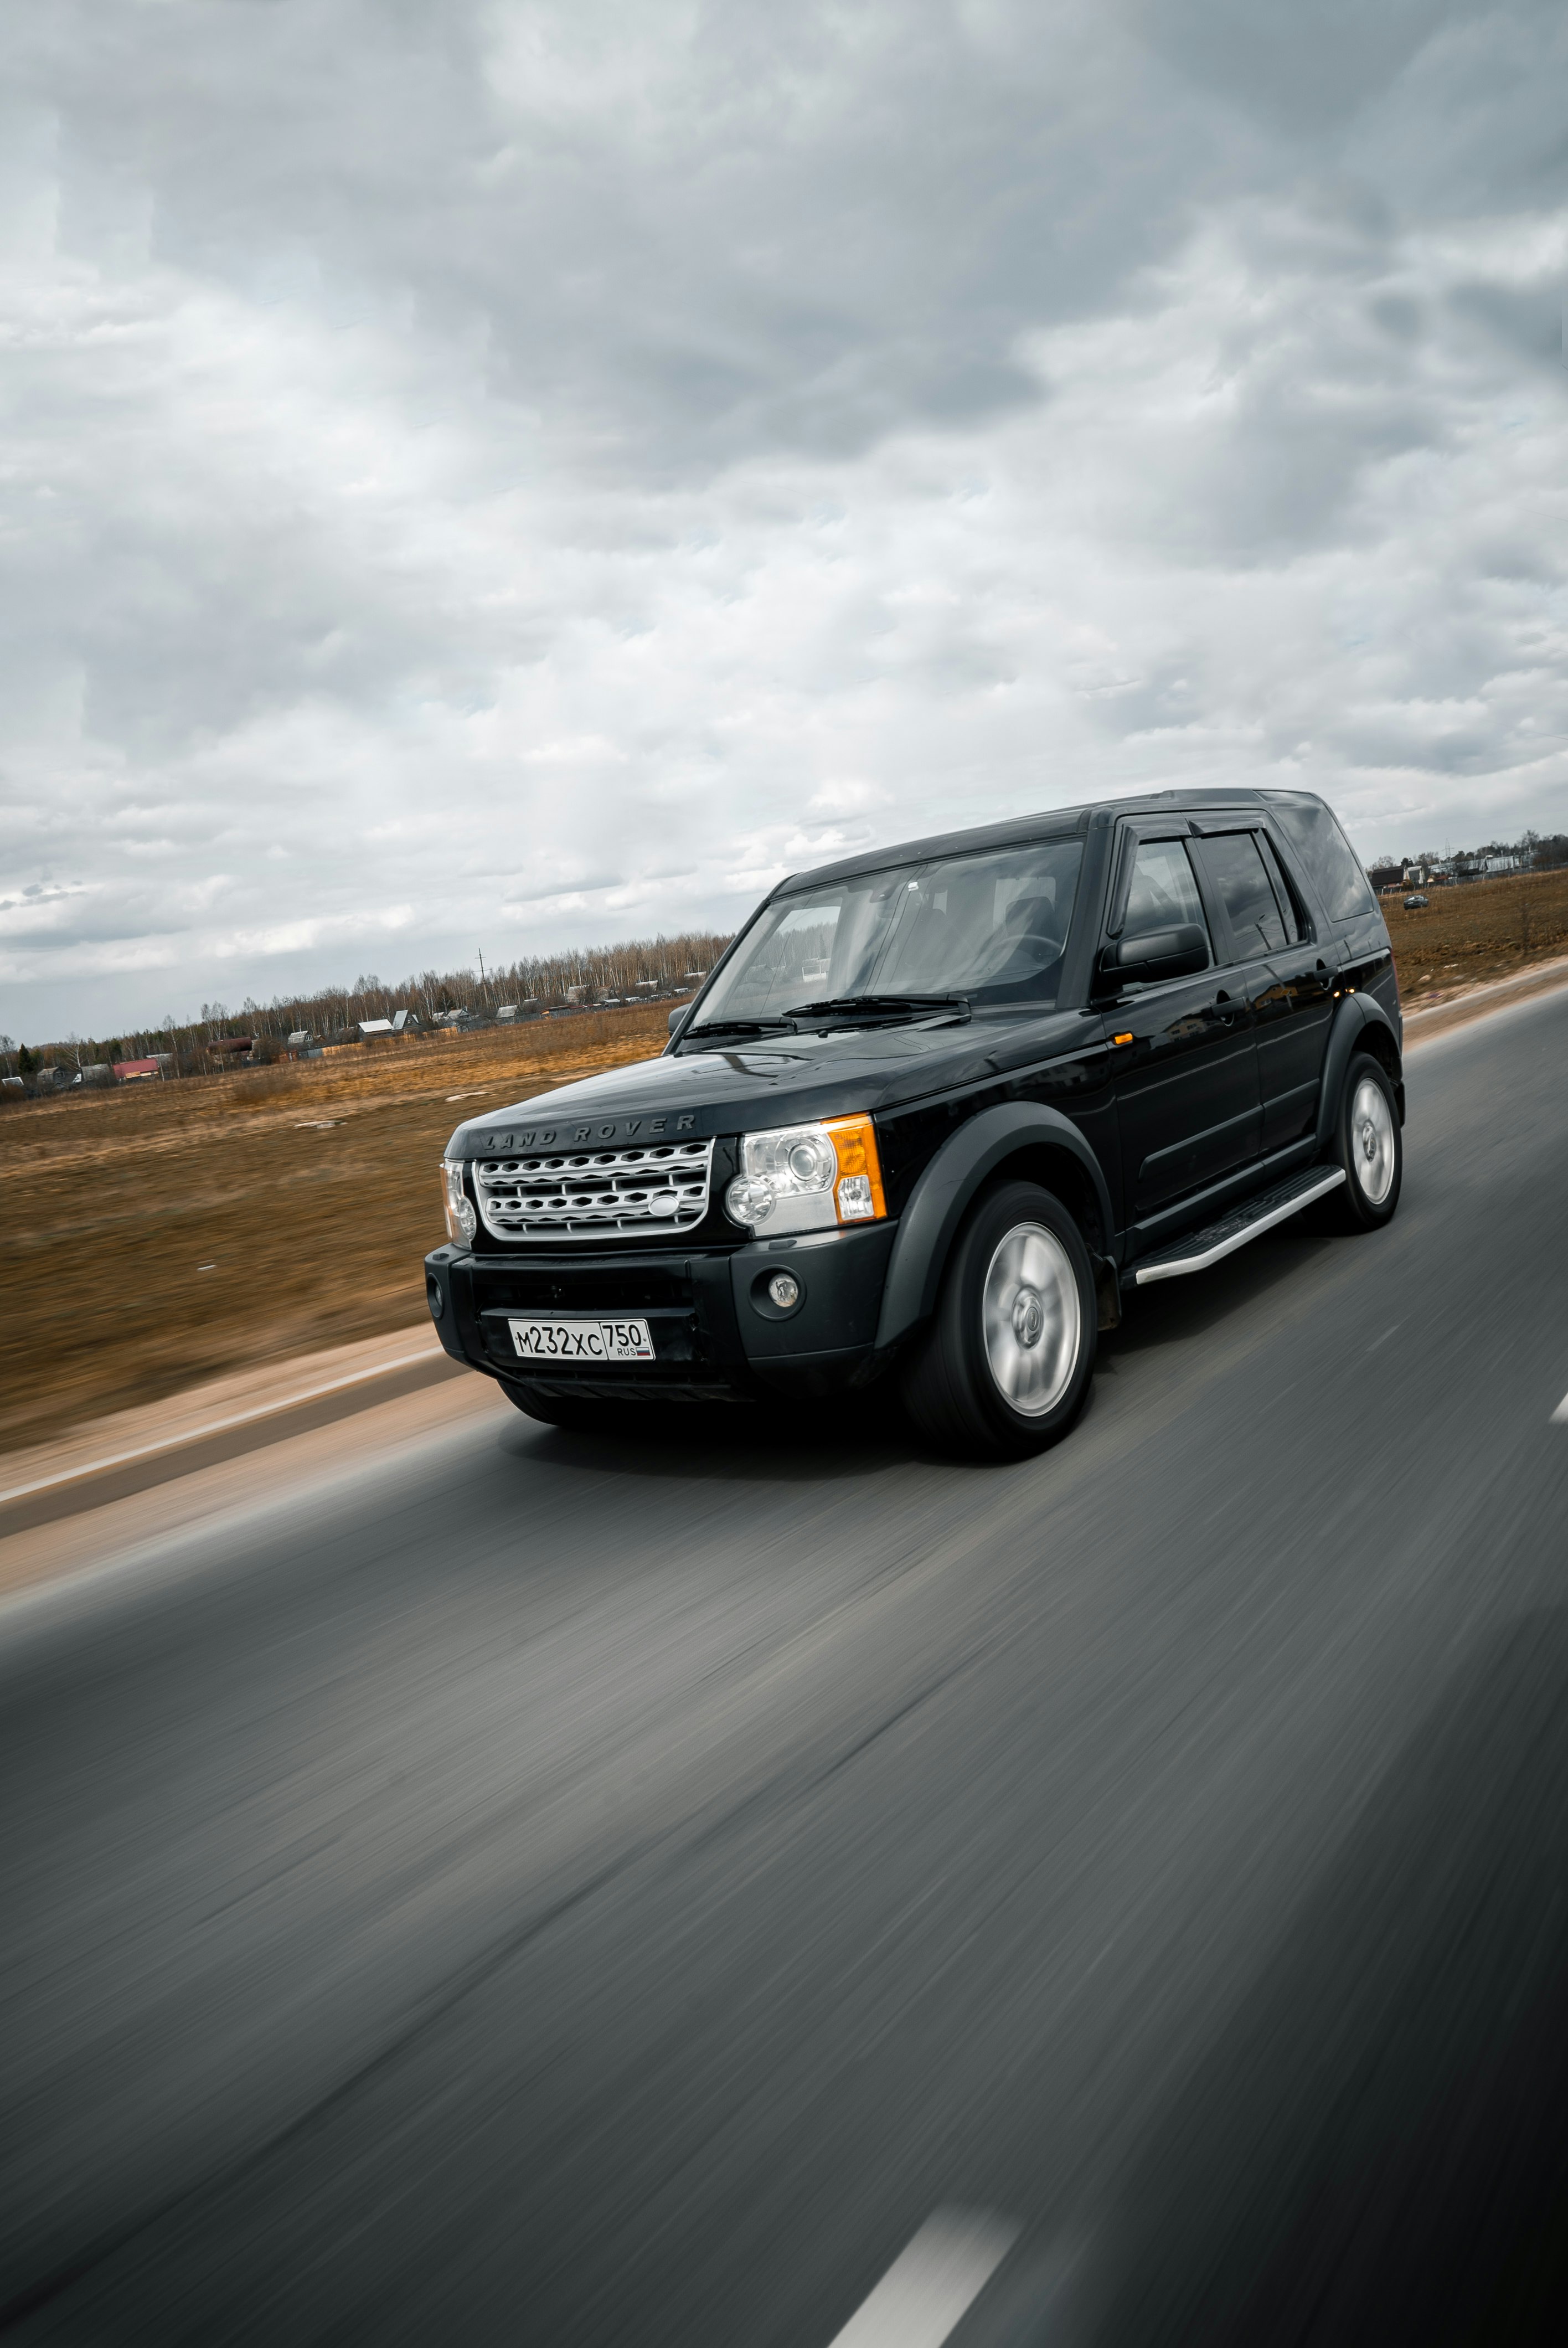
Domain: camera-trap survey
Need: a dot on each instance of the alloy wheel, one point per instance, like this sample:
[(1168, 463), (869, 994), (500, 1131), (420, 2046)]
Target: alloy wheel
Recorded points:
[(1372, 1141), (1032, 1319)]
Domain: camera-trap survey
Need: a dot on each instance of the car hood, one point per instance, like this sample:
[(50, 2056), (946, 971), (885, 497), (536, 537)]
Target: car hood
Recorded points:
[(746, 1085)]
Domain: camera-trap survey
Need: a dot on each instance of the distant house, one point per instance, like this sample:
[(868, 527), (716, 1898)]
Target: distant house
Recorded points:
[(232, 1047), (368, 1027), (138, 1072)]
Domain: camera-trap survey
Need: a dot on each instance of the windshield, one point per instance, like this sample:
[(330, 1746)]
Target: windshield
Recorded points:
[(989, 927)]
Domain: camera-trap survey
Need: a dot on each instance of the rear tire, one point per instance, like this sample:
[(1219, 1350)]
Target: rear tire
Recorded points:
[(1368, 1145), (1004, 1367)]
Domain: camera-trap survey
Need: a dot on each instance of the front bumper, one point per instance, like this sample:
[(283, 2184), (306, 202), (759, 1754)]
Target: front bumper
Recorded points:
[(715, 1334)]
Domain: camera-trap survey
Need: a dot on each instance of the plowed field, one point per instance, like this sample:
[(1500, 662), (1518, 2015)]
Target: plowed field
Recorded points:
[(1486, 929)]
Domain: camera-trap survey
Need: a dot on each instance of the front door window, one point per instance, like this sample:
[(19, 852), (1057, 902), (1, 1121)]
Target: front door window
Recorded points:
[(1163, 894)]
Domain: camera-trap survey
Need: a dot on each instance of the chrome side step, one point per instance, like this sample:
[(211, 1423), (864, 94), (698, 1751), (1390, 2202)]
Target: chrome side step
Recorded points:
[(1198, 1249)]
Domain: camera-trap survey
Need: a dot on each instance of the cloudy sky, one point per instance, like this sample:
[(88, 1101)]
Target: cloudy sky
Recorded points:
[(504, 476)]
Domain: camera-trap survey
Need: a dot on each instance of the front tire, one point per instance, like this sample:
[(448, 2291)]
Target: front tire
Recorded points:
[(1368, 1145), (1004, 1367)]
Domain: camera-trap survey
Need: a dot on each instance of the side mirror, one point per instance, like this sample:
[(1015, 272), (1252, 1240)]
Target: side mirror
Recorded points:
[(678, 1016), (1157, 954)]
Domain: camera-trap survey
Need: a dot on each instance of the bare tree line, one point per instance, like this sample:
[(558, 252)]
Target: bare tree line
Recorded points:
[(635, 967)]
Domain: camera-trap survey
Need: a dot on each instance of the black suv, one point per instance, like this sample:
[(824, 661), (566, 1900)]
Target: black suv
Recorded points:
[(934, 1115)]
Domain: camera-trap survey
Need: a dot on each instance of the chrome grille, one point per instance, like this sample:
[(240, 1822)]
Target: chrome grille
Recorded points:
[(593, 1194)]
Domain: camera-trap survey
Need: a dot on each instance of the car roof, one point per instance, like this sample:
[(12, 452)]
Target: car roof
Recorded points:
[(1050, 823)]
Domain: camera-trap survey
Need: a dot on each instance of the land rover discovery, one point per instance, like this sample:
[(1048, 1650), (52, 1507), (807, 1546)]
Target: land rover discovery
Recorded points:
[(936, 1114)]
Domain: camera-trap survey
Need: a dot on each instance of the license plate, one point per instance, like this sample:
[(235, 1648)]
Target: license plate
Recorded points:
[(538, 1340)]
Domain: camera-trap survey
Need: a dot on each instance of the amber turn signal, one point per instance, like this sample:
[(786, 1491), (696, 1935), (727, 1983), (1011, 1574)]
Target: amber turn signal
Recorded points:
[(857, 1190), (1120, 1039)]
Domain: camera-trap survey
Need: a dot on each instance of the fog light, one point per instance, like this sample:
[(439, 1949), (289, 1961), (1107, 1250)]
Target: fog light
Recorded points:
[(437, 1301), (785, 1289)]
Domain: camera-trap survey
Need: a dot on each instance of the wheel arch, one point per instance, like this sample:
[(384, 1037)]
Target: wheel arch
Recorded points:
[(1377, 1039), (1020, 1138), (1360, 1024)]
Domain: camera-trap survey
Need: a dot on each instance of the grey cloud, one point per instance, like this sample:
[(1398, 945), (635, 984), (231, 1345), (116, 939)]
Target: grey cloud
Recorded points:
[(1527, 323), (1304, 68), (472, 447), (811, 228)]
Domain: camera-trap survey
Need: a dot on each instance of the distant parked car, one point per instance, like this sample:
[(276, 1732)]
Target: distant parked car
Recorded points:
[(1414, 902)]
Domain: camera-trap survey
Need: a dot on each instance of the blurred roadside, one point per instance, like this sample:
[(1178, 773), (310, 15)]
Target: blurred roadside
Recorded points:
[(294, 1447), (163, 1236)]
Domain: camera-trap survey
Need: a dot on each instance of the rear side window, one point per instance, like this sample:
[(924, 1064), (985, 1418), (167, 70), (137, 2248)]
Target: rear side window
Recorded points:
[(1244, 888), (1328, 857)]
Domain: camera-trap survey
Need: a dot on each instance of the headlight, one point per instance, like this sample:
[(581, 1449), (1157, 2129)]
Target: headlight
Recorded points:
[(462, 1223), (808, 1177)]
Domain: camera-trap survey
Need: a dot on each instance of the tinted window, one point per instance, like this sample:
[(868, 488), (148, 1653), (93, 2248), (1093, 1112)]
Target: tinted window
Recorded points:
[(1290, 912), (1328, 857), (1238, 873), (1163, 893), (990, 926)]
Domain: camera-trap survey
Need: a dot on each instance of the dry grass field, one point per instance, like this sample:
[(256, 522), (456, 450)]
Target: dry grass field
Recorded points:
[(158, 1235), (1485, 929)]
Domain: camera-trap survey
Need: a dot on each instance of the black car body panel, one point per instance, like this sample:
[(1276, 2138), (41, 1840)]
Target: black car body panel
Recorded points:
[(1146, 1107)]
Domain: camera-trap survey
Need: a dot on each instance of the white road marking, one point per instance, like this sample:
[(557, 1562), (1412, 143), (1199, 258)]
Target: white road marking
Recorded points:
[(932, 2281), (1560, 1416)]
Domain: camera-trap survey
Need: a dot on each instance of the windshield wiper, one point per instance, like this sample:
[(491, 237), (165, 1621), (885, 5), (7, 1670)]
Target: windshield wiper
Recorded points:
[(901, 1006), (737, 1027)]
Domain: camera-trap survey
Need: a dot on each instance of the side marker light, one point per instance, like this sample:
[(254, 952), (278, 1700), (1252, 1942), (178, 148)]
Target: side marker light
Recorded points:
[(1120, 1039)]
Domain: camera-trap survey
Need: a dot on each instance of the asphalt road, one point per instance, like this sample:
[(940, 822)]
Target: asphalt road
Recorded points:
[(521, 1893)]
